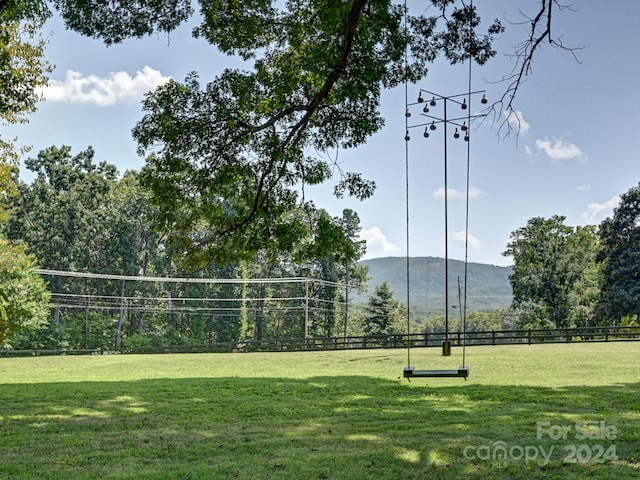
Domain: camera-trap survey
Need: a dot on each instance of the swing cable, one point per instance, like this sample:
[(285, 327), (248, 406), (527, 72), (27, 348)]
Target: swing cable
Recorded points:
[(466, 229), (406, 177)]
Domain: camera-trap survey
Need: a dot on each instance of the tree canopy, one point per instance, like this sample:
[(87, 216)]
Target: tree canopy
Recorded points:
[(620, 256), (229, 159), (553, 272)]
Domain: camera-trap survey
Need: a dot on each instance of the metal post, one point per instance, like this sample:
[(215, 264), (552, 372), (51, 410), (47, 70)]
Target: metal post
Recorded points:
[(446, 345), (121, 317), (459, 122)]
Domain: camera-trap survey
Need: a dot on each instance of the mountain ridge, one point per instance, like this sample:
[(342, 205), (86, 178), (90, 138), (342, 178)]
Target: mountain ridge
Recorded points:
[(488, 286)]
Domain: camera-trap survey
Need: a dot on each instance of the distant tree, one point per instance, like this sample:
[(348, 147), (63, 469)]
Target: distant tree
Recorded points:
[(484, 321), (79, 216), (585, 246), (24, 299), (61, 215), (353, 274), (620, 257), (335, 260), (381, 311), (550, 258)]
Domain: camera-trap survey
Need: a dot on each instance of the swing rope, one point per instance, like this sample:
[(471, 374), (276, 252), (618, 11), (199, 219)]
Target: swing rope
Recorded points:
[(406, 181), (466, 228)]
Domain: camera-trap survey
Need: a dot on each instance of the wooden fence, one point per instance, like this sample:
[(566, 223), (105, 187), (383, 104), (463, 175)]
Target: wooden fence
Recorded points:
[(414, 340)]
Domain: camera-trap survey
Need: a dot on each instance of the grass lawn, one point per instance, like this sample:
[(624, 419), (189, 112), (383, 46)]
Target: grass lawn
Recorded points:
[(542, 411)]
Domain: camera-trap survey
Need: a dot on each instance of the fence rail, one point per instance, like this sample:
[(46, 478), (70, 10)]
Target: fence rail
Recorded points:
[(414, 340)]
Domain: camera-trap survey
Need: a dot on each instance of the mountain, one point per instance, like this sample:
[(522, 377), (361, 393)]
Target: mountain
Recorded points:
[(488, 286)]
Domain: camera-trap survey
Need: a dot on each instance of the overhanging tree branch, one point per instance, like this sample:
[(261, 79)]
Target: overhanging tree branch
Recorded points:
[(316, 85), (338, 70), (524, 54), (265, 187)]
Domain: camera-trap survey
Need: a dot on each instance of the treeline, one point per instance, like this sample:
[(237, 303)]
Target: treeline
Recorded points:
[(79, 216), (76, 215), (567, 276)]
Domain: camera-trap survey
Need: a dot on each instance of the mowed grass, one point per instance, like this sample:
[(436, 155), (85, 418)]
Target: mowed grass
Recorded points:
[(324, 415)]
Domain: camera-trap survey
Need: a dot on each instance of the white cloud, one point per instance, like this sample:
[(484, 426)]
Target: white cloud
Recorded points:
[(453, 194), (377, 243), (474, 242), (118, 87), (596, 212), (582, 188), (558, 149), (516, 120)]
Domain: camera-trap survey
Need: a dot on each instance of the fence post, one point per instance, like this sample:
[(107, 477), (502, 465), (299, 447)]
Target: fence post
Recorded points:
[(120, 317), (493, 338), (529, 336)]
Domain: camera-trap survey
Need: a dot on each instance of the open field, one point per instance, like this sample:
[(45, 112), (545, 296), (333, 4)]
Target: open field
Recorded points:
[(324, 415)]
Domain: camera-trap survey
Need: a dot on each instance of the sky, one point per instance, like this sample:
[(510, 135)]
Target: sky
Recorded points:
[(575, 154)]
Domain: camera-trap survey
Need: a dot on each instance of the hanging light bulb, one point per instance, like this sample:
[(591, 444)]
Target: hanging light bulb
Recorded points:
[(407, 137), (420, 99), (466, 137), (456, 134), (407, 113), (484, 99), (426, 132), (464, 126), (433, 125), (433, 101), (464, 104)]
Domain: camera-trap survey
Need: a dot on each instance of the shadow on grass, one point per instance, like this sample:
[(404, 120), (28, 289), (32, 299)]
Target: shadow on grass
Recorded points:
[(318, 428)]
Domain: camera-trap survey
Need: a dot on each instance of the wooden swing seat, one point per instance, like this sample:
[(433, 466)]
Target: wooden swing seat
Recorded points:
[(411, 372)]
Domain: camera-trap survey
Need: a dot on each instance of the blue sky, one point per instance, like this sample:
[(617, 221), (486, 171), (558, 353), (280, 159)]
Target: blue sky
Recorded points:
[(576, 153)]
